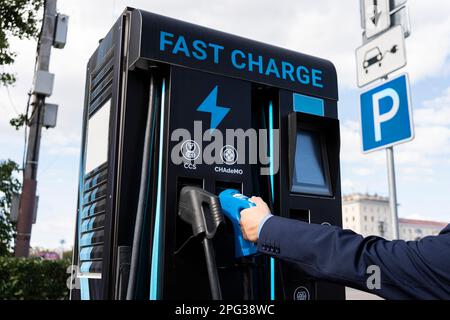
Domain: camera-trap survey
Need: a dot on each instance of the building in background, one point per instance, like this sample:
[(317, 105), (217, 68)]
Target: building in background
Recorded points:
[(411, 229), (45, 254), (367, 214), (370, 215)]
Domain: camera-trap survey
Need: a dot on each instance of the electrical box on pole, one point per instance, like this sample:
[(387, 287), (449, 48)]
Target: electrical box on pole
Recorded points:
[(43, 83), (62, 23)]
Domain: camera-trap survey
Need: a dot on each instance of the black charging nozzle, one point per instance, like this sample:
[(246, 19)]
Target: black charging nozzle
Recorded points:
[(201, 209)]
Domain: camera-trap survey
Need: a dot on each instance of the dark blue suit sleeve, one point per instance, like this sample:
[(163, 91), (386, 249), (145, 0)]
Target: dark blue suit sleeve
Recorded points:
[(408, 269)]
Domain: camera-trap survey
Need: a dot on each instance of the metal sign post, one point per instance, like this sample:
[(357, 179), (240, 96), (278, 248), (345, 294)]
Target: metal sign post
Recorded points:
[(384, 130), (392, 191), (386, 115)]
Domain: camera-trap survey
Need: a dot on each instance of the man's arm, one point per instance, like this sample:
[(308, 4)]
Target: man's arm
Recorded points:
[(408, 270)]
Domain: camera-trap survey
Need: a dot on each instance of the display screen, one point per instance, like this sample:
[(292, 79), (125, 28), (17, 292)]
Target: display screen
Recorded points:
[(311, 165), (97, 138)]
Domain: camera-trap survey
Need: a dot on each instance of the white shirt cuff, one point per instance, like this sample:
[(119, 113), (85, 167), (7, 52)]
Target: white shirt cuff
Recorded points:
[(267, 217)]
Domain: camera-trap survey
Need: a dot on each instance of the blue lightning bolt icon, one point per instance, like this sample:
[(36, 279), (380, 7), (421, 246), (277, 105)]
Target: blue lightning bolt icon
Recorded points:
[(210, 105)]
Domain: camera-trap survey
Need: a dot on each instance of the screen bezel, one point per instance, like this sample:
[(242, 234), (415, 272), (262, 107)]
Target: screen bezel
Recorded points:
[(325, 127)]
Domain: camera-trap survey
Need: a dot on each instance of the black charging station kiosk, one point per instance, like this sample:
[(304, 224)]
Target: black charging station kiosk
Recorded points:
[(152, 75)]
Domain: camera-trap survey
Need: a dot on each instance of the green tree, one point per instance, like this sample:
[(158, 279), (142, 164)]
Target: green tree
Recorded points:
[(67, 255), (18, 18), (33, 279), (9, 185)]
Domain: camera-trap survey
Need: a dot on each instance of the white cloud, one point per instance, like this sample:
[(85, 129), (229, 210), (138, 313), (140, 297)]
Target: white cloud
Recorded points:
[(52, 228), (431, 146), (361, 171), (61, 144), (436, 111), (351, 146), (428, 47)]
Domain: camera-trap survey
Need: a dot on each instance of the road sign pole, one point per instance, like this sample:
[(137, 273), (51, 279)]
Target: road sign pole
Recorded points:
[(383, 52), (392, 191)]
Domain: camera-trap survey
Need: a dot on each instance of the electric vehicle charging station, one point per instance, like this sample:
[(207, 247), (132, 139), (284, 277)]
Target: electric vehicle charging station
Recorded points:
[(152, 76)]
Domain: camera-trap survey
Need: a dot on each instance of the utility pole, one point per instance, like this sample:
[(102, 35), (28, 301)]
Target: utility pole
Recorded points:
[(42, 77)]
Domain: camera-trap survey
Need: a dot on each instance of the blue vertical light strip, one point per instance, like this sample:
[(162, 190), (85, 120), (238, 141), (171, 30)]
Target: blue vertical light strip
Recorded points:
[(84, 288), (271, 171), (84, 282), (156, 248)]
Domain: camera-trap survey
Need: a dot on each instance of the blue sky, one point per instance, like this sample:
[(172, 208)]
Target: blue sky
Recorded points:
[(329, 29)]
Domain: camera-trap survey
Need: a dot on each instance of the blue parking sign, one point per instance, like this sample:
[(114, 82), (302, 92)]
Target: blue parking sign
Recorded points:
[(386, 115)]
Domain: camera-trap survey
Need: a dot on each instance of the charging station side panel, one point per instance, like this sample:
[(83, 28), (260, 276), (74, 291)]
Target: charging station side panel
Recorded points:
[(95, 218)]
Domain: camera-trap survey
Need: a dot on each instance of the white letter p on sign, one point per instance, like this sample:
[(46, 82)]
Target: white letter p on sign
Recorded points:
[(378, 118)]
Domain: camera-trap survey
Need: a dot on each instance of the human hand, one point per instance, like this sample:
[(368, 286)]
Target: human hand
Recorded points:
[(252, 217)]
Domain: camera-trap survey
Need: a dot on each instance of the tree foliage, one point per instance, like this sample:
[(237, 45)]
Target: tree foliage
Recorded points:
[(37, 279), (18, 18), (19, 121), (9, 185)]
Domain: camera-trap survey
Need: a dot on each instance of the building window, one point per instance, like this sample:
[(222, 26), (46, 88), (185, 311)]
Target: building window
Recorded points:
[(346, 219), (365, 218), (353, 218), (371, 218)]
